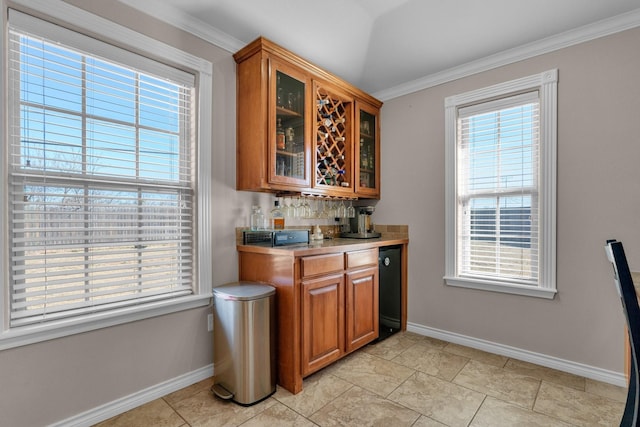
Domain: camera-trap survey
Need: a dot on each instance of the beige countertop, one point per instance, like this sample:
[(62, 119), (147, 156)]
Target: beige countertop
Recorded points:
[(325, 246)]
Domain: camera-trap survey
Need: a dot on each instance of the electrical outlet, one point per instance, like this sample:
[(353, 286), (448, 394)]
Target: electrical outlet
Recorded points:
[(210, 322)]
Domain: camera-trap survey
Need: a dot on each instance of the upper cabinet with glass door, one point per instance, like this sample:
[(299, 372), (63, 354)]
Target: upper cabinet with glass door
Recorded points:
[(367, 156), (289, 141), (298, 127), (273, 131)]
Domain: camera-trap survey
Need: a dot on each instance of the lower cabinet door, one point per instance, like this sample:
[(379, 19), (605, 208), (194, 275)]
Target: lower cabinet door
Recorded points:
[(361, 308), (322, 322)]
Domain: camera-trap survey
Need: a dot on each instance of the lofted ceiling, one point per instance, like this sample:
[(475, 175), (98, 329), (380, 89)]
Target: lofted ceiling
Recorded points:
[(382, 45)]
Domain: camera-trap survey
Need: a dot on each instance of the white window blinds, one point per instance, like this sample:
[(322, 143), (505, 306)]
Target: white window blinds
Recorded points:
[(497, 189), (101, 177)]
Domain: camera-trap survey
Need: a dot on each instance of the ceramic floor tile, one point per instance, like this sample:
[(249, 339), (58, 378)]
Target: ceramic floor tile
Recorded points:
[(432, 361), (610, 391), (496, 413), (433, 342), (577, 407), (546, 374), (372, 373), (498, 382), (278, 415), (359, 407), (427, 422), (317, 390), (440, 400), (479, 355), (396, 344), (422, 338), (204, 410), (181, 394), (351, 392), (155, 413)]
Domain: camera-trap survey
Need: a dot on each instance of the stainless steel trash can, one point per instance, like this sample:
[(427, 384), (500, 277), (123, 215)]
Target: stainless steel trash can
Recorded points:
[(244, 342)]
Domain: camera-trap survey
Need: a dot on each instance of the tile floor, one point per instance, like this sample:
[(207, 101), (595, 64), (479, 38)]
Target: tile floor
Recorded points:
[(406, 380)]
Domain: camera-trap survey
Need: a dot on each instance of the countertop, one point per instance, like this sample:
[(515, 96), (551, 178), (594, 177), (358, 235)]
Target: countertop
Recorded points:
[(325, 246)]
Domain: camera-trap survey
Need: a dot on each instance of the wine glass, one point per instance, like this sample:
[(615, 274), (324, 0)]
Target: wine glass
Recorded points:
[(341, 211), (325, 210), (296, 208), (307, 209), (286, 207), (351, 211), (332, 209)]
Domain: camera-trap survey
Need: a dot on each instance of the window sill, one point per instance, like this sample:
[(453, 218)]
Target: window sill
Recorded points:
[(31, 334), (502, 287)]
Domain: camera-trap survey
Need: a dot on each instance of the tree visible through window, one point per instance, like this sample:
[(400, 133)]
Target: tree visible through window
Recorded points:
[(101, 182)]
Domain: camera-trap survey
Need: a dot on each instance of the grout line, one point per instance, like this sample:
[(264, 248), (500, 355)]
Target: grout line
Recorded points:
[(478, 410), (176, 412)]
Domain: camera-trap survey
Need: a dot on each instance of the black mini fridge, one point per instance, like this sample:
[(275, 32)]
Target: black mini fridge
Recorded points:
[(390, 277)]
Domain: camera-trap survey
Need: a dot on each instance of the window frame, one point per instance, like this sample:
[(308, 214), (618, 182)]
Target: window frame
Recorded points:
[(546, 84), (86, 23)]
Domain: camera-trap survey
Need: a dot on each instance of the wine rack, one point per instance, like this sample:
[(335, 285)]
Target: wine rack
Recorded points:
[(333, 148)]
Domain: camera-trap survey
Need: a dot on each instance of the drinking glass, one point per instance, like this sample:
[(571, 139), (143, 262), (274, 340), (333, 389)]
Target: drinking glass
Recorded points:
[(318, 212), (286, 207), (341, 211), (307, 209), (332, 209), (351, 211), (324, 213), (297, 211)]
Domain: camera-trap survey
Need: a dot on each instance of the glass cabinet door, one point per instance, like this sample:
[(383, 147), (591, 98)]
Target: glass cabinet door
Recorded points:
[(368, 152), (288, 127), (334, 139)]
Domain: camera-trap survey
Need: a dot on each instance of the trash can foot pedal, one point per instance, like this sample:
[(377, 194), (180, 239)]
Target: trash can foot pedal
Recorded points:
[(221, 392)]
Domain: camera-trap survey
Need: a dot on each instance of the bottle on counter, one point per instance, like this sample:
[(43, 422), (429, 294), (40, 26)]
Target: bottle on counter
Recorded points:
[(277, 217), (257, 218)]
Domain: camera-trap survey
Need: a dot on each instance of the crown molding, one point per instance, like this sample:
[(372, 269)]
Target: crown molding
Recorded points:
[(82, 18), (188, 23), (573, 37), (605, 27)]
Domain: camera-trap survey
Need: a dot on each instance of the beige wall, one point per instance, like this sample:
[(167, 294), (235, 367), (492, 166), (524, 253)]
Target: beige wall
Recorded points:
[(598, 198), (599, 150), (51, 381)]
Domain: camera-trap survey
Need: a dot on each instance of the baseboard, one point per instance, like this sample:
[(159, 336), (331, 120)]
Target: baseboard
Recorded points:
[(141, 397), (136, 399), (592, 372)]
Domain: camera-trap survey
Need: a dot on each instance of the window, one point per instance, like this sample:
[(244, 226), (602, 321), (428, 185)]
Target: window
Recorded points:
[(104, 200), (501, 163)]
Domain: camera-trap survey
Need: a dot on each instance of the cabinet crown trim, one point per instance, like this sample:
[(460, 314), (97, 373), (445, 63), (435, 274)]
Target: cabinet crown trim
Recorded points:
[(265, 45)]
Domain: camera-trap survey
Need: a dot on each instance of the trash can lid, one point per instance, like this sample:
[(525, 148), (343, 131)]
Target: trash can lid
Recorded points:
[(243, 291)]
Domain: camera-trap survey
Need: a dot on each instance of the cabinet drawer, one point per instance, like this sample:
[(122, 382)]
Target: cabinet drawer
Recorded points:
[(320, 264), (362, 258)]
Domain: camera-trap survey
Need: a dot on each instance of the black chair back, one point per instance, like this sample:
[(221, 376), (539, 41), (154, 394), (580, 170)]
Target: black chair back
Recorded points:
[(628, 297)]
